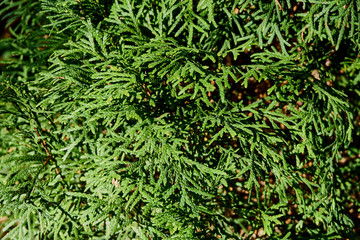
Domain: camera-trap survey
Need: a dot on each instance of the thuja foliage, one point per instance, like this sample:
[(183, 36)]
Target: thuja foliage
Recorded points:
[(191, 119)]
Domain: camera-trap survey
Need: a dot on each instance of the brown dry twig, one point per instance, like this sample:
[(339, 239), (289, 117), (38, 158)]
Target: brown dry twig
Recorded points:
[(302, 33), (278, 3), (50, 157)]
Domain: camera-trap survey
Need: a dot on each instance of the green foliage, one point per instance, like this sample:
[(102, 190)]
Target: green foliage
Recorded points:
[(192, 119)]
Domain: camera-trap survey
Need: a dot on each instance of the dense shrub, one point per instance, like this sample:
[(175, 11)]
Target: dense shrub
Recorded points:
[(191, 119)]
